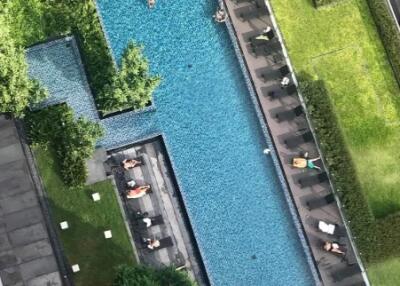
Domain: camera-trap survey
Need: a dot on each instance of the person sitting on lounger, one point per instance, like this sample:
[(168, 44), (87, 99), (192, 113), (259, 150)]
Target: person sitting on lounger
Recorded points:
[(138, 192), (305, 163), (266, 35), (152, 243), (220, 16), (151, 3), (130, 163), (333, 247), (147, 221)]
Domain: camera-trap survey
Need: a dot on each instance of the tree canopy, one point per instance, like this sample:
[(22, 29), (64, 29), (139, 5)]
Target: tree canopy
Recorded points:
[(140, 275), (17, 91), (131, 86)]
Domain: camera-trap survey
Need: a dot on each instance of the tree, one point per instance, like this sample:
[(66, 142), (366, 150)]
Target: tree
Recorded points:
[(140, 275), (131, 86), (17, 91), (72, 139)]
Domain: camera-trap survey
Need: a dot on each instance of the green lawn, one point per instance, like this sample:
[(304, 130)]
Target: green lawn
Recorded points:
[(84, 242), (340, 45)]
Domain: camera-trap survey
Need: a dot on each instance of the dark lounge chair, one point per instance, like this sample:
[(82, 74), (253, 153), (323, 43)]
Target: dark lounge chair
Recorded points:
[(155, 220), (297, 140), (164, 243), (320, 202), (254, 42), (274, 74), (268, 49), (276, 90), (346, 272), (311, 180), (291, 114)]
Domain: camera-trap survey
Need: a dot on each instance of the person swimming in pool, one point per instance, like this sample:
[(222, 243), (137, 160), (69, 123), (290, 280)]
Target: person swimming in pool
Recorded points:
[(302, 163), (220, 15), (151, 3)]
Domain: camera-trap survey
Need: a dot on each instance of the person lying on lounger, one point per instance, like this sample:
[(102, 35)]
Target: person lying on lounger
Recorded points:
[(334, 247), (138, 192), (152, 243), (302, 163), (130, 163), (266, 35)]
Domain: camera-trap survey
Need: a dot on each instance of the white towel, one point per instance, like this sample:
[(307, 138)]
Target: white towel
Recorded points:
[(326, 227)]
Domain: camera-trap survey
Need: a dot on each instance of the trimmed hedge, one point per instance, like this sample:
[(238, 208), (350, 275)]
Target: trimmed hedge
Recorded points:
[(319, 3), (73, 139), (388, 32)]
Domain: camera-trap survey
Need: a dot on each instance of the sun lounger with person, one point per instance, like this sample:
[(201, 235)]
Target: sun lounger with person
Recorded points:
[(334, 247), (304, 162), (138, 192), (128, 164)]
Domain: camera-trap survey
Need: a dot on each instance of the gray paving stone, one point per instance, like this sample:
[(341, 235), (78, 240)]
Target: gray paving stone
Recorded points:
[(11, 277), (4, 242), (23, 218), (38, 267), (11, 153), (27, 235), (7, 259), (34, 250), (14, 185), (51, 279), (18, 202)]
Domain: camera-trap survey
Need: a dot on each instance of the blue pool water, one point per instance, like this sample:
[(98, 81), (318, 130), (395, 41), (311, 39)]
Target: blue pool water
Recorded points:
[(203, 109)]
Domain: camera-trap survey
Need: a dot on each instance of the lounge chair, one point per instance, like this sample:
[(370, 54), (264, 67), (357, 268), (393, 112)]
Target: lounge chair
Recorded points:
[(155, 220), (311, 180), (320, 202), (274, 74), (262, 39), (297, 140), (346, 272), (268, 49), (276, 90), (331, 228), (164, 243), (291, 114)]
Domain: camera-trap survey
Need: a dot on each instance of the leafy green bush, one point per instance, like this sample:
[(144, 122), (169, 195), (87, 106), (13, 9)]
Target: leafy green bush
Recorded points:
[(319, 3), (17, 91), (388, 32), (132, 85), (73, 139), (339, 163), (141, 275)]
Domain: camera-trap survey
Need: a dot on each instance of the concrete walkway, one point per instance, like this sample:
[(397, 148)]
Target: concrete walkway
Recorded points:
[(26, 253), (329, 266)]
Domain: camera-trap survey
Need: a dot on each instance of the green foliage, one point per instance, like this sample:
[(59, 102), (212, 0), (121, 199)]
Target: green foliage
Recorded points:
[(388, 32), (141, 275), (37, 20), (132, 85), (72, 139), (319, 3), (17, 91), (375, 239)]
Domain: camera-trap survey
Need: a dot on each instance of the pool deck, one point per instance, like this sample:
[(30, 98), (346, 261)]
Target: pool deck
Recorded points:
[(326, 263), (165, 201)]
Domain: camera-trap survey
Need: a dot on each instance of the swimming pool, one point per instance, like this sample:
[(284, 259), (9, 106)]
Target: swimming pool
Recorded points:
[(203, 109)]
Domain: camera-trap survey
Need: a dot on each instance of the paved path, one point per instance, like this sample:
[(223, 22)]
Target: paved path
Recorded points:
[(26, 254), (396, 9), (326, 263)]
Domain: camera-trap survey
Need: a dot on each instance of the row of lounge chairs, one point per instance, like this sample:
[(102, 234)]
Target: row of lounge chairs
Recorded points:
[(267, 45), (142, 222)]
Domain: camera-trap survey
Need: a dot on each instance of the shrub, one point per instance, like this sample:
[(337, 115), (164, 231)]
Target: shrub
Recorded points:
[(339, 163), (72, 139), (132, 85), (17, 91), (319, 3), (141, 275), (388, 32)]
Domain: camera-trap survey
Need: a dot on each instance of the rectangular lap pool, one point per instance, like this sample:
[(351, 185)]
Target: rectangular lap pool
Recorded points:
[(203, 109)]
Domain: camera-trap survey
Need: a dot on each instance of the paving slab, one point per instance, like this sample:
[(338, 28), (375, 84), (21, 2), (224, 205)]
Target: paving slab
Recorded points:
[(26, 235)]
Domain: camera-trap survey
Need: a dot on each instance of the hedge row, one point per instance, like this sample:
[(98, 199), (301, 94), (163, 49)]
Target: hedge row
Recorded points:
[(319, 3), (73, 140), (340, 166), (388, 32)]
